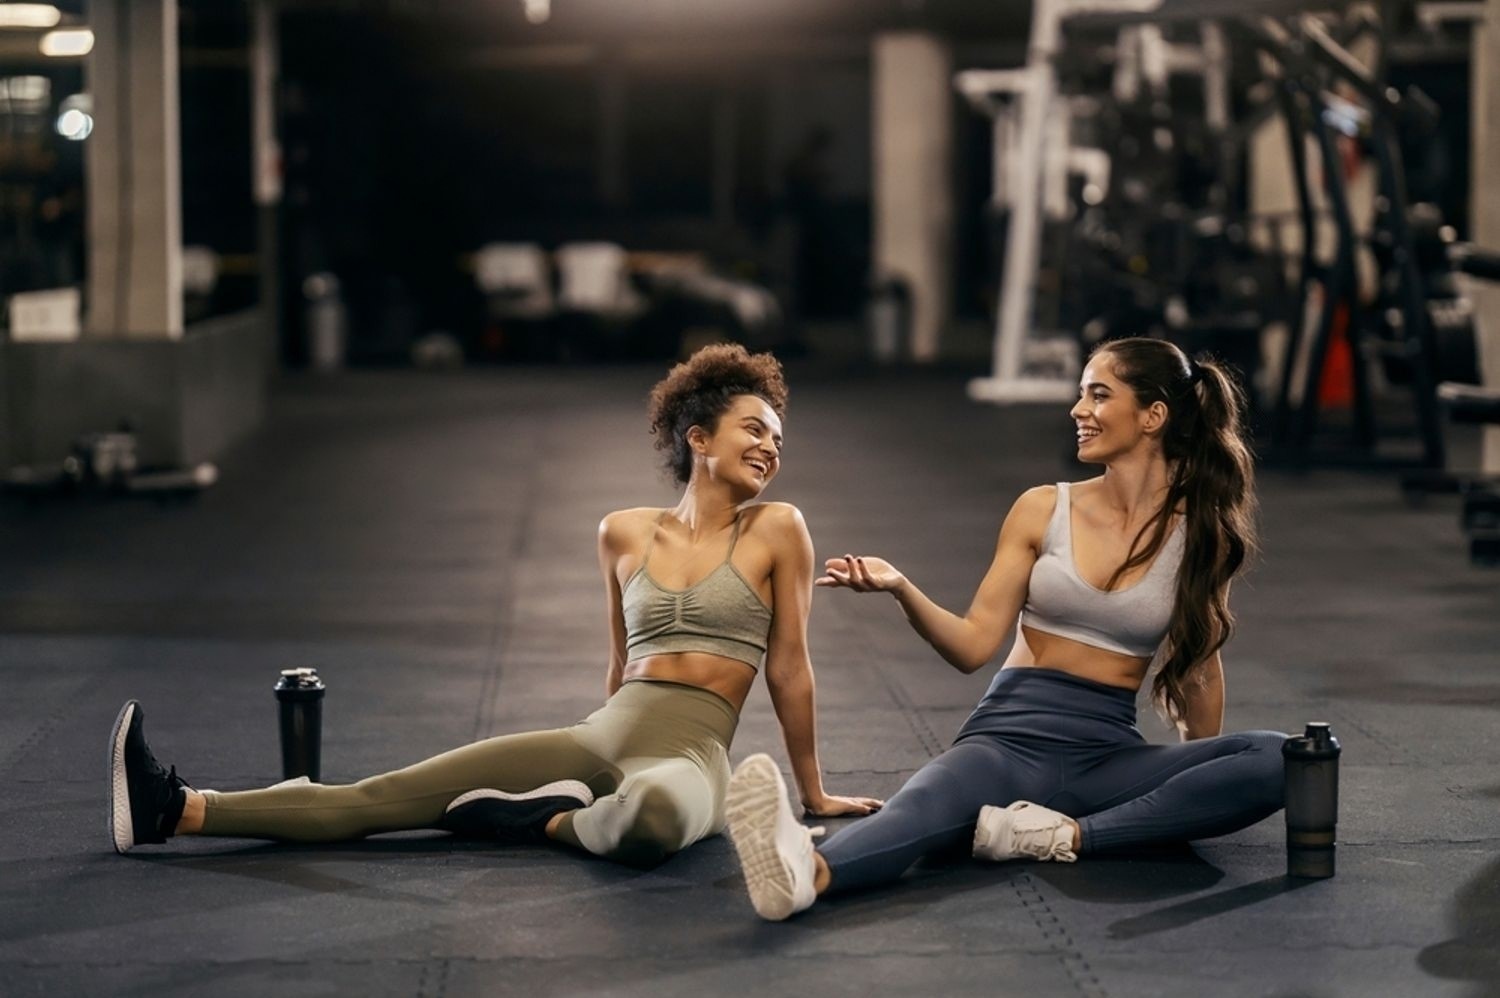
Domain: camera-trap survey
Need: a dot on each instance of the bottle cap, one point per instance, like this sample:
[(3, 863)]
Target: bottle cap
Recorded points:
[(1317, 743), (303, 678)]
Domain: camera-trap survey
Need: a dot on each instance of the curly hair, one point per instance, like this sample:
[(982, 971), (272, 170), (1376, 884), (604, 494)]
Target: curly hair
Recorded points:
[(699, 390)]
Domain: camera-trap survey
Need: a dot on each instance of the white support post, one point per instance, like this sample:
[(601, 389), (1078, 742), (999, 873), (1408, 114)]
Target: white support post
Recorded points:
[(1008, 382), (1023, 235), (1485, 203)]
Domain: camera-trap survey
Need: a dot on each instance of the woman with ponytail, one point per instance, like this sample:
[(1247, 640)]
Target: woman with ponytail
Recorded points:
[(1106, 576)]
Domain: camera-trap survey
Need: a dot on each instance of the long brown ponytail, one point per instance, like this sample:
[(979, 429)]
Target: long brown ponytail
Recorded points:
[(1212, 482)]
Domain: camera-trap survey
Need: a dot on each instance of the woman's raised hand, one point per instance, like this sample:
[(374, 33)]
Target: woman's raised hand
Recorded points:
[(863, 575)]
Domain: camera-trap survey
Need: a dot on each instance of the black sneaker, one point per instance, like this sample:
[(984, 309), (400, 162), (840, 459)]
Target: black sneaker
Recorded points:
[(145, 800), (513, 818)]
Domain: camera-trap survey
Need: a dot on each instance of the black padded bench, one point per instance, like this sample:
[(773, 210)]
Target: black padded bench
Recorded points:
[(1481, 509), (1470, 403)]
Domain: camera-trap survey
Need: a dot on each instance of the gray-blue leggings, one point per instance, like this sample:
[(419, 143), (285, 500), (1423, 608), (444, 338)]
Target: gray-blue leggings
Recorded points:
[(1069, 744)]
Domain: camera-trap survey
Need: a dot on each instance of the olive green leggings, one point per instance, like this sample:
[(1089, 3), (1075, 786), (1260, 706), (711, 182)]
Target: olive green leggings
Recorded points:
[(656, 757)]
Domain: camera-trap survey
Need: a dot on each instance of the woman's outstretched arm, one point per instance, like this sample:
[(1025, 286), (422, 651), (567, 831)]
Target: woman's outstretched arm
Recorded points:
[(969, 641), (789, 675)]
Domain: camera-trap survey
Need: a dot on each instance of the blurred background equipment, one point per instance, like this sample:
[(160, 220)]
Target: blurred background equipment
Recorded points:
[(1035, 88), (597, 306), (200, 275), (196, 195), (327, 322), (107, 464), (515, 280)]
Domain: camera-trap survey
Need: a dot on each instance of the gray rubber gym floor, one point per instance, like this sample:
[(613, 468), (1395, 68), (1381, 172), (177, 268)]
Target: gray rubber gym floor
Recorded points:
[(428, 543)]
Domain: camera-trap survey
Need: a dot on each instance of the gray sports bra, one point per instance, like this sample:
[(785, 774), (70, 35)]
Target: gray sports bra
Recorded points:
[(721, 614), (1129, 621)]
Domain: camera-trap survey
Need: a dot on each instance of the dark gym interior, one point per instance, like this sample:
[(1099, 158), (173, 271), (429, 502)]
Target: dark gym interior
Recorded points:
[(328, 331)]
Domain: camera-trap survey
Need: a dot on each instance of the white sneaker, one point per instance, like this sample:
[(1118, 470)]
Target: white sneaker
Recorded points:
[(1023, 830), (775, 849)]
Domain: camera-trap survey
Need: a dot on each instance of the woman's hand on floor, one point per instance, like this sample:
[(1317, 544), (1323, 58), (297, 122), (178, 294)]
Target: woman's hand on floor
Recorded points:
[(836, 807), (862, 574)]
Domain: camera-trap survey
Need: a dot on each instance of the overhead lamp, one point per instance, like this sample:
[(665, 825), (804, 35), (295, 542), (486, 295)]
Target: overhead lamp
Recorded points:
[(29, 15), (538, 11), (75, 119), (74, 124), (68, 43)]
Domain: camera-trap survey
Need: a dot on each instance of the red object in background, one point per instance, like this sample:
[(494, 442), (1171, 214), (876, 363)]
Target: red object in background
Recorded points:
[(1336, 386)]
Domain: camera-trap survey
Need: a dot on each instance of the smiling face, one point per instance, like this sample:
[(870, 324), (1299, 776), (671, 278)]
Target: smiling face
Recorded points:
[(1110, 420), (744, 449)]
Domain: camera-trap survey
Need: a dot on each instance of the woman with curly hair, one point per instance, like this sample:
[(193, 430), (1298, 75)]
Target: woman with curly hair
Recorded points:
[(1105, 576), (698, 595)]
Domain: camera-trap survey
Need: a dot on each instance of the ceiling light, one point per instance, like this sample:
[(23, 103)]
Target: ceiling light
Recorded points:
[(29, 15), (74, 124), (68, 42)]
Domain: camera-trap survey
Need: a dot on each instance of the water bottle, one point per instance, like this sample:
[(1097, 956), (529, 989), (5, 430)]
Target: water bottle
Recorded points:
[(1312, 801), (300, 695)]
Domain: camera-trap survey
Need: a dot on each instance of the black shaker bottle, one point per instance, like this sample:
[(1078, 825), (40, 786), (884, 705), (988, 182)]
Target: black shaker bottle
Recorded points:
[(1312, 801), (299, 693)]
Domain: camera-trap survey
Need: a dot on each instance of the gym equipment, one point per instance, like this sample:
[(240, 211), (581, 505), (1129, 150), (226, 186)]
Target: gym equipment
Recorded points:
[(1034, 87), (1399, 326), (1119, 273), (106, 463), (1480, 513)]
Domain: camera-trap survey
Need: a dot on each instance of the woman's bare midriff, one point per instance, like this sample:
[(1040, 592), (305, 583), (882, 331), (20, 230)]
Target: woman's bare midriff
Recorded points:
[(1039, 650), (727, 677)]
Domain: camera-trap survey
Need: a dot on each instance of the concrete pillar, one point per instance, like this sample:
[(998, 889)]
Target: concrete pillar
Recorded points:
[(1484, 221), (134, 173), (913, 154), (187, 397)]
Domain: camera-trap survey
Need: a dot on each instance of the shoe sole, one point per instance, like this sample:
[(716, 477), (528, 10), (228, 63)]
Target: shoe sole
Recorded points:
[(121, 829), (756, 795), (558, 788)]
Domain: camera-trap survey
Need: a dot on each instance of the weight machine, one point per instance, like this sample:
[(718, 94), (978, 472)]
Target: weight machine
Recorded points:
[(1030, 130)]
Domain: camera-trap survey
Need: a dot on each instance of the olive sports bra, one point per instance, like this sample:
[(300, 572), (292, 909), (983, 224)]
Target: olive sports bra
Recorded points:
[(721, 614)]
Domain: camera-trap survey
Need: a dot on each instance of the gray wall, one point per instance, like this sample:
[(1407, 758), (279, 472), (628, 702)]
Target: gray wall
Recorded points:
[(223, 369), (188, 400)]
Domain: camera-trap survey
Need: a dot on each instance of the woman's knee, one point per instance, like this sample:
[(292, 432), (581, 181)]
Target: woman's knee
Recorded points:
[(659, 821), (642, 824), (1267, 775), (651, 828)]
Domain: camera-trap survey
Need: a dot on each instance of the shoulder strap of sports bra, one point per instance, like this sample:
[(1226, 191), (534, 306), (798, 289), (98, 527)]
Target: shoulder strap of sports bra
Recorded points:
[(1060, 528), (734, 537), (646, 554)]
